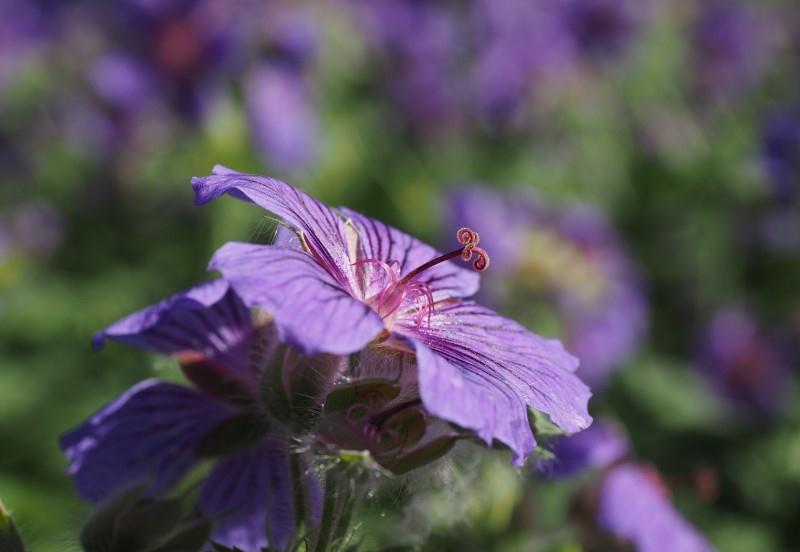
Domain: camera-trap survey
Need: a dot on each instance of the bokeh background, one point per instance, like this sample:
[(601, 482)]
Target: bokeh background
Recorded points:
[(633, 166)]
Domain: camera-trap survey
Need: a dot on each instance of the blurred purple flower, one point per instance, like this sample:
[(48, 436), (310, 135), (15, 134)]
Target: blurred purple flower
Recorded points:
[(348, 280), (24, 33), (518, 43), (282, 112), (743, 363), (780, 152), (630, 502), (282, 116), (572, 256), (420, 51), (174, 51), (633, 505), (159, 431), (728, 48), (602, 28), (449, 60)]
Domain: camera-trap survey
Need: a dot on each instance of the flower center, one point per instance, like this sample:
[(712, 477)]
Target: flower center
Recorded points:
[(396, 291)]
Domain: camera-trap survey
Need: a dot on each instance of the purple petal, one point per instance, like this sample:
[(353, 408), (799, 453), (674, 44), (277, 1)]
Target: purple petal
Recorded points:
[(148, 433), (322, 228), (312, 311), (632, 507), (381, 242), (282, 117), (246, 490), (482, 371), (208, 318), (597, 447)]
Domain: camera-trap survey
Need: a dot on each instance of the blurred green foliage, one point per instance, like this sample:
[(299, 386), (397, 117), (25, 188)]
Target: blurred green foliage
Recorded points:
[(133, 236)]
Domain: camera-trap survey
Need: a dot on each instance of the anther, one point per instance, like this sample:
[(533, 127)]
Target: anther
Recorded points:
[(469, 238)]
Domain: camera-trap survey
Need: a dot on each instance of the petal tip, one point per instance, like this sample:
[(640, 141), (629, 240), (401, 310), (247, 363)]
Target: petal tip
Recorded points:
[(99, 341)]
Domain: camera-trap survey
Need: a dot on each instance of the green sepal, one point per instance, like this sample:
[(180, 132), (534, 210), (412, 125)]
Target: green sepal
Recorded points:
[(542, 426)]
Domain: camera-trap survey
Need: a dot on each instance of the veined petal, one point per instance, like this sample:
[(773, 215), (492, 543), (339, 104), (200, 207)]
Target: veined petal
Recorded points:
[(632, 507), (209, 319), (247, 491), (147, 434), (313, 312), (321, 227), (379, 241), (482, 371)]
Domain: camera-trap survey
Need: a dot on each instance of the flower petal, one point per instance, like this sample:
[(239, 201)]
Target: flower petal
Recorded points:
[(209, 319), (244, 492), (382, 242), (322, 228), (312, 311), (632, 507), (148, 433), (482, 371)]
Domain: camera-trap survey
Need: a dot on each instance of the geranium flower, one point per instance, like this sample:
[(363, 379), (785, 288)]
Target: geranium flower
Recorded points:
[(629, 502), (157, 431), (347, 281), (745, 364), (730, 47)]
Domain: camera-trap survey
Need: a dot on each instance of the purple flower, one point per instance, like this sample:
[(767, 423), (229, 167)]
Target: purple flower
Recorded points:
[(278, 99), (601, 27), (633, 506), (418, 44), (743, 363), (157, 432), (780, 151), (175, 52), (630, 502), (347, 281), (728, 48), (282, 115), (25, 31), (518, 45), (572, 258)]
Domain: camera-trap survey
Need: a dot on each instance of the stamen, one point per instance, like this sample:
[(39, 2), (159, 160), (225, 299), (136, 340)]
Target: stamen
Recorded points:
[(469, 238), (394, 290)]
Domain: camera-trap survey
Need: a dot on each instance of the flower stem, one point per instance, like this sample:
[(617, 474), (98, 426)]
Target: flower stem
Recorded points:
[(337, 507)]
